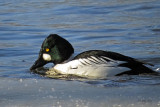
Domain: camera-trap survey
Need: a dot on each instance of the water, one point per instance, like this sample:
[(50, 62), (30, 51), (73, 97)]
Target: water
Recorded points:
[(128, 27)]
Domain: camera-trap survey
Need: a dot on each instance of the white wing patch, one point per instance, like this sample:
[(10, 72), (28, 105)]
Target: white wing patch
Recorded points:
[(101, 60), (92, 67)]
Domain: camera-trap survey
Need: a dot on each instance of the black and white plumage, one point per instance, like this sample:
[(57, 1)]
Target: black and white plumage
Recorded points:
[(90, 64), (101, 64)]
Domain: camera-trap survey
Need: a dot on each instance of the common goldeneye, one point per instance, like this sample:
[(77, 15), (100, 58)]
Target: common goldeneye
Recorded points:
[(92, 63)]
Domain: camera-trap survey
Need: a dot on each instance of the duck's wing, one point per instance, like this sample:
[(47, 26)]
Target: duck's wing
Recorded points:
[(113, 59)]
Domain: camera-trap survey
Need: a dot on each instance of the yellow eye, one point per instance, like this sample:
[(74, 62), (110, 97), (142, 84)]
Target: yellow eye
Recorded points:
[(47, 49)]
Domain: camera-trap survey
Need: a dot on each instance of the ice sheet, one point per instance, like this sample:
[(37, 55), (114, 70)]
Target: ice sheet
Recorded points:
[(62, 93)]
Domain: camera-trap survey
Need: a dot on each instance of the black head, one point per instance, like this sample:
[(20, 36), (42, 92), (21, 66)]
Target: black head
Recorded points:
[(54, 49)]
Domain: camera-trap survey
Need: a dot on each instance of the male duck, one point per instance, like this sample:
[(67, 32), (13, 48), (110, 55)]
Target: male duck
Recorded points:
[(93, 63)]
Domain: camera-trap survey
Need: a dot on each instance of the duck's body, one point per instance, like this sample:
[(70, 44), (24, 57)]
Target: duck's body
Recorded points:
[(91, 67), (91, 64), (101, 64)]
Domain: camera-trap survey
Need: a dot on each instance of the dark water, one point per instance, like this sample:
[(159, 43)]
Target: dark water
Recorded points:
[(129, 27)]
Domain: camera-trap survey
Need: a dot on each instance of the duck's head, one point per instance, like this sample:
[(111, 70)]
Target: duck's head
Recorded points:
[(54, 49)]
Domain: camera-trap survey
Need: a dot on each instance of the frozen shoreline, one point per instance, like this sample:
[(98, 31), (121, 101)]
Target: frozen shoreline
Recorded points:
[(61, 93)]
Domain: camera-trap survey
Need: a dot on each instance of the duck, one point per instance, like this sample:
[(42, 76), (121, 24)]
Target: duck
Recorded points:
[(97, 64)]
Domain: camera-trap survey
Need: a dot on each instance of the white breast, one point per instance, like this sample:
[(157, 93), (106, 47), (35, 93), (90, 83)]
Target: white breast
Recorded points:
[(91, 67)]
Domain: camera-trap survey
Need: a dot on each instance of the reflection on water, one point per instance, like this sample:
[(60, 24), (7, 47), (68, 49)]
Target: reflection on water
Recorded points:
[(128, 27)]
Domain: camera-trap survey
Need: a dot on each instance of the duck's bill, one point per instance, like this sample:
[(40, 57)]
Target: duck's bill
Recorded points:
[(38, 63)]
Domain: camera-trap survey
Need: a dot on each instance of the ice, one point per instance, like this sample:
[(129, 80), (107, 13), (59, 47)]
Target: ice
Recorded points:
[(62, 93)]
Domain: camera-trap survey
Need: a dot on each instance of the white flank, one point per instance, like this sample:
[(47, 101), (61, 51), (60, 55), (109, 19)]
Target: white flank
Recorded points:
[(46, 57), (88, 68)]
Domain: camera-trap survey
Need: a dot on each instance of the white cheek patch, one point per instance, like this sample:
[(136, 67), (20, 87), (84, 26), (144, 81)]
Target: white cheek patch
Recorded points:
[(47, 57)]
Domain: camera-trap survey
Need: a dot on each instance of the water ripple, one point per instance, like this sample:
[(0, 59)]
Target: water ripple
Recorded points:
[(127, 27)]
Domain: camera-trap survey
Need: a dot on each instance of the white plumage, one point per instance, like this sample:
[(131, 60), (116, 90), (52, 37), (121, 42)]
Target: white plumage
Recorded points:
[(47, 57), (91, 67)]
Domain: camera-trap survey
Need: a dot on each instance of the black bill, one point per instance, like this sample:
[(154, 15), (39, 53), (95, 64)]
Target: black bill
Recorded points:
[(38, 63)]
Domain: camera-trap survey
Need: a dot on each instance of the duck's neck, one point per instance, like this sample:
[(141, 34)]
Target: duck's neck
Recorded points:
[(70, 58)]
